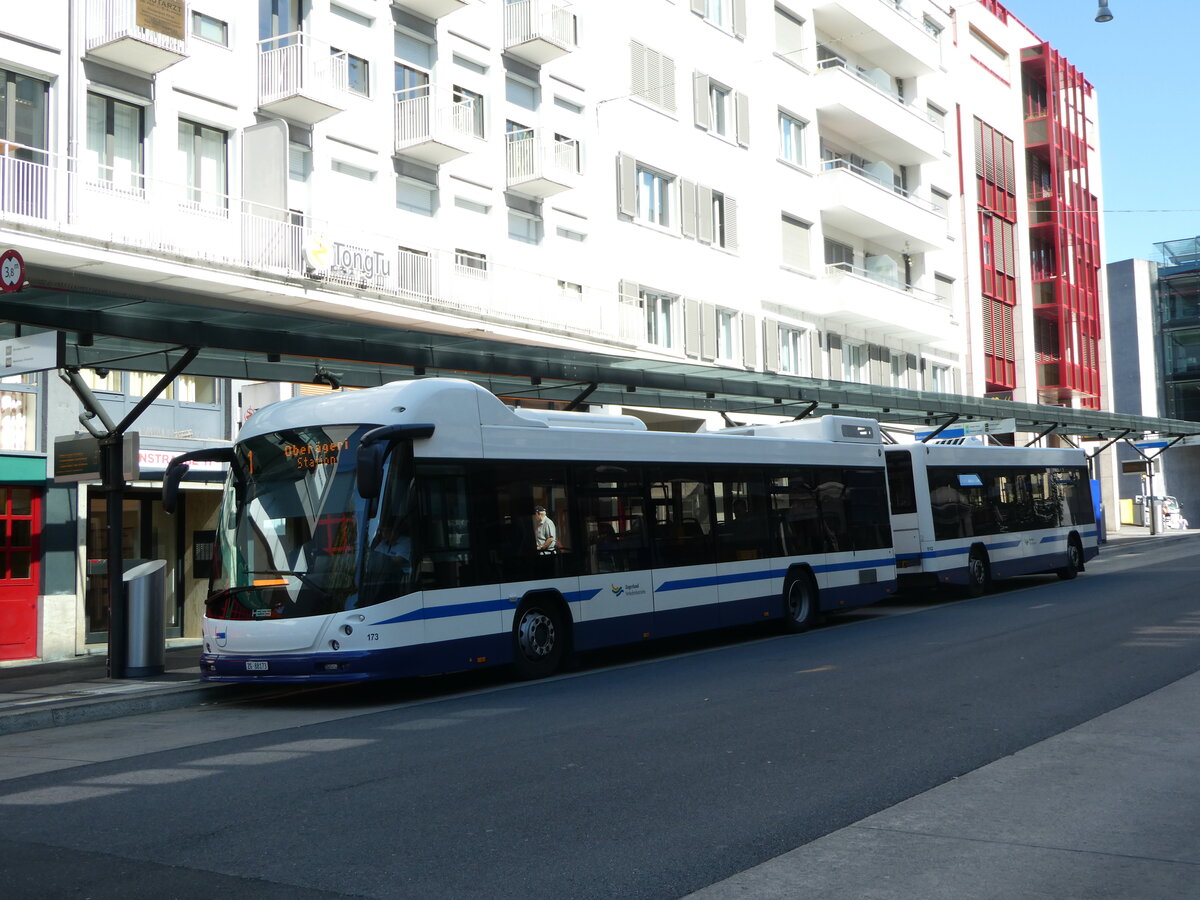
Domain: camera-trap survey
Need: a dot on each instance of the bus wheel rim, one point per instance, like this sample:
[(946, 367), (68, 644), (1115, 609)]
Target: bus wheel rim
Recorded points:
[(798, 601), (536, 634)]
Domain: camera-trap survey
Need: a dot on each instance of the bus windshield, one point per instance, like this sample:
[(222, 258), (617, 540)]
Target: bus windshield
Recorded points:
[(288, 535)]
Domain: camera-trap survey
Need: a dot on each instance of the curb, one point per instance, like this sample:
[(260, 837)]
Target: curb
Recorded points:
[(51, 712)]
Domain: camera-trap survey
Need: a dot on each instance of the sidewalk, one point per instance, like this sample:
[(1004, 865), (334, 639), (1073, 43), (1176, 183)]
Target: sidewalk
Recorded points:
[(1108, 809), (42, 695)]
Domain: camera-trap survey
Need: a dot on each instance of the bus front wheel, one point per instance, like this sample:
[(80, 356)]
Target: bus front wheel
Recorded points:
[(538, 638), (801, 603), (978, 573)]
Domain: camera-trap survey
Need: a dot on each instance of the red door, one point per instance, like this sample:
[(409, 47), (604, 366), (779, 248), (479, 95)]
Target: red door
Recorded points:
[(20, 523)]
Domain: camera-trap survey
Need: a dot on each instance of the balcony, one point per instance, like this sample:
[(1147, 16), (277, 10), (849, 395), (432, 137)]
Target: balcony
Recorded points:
[(144, 37), (539, 167), (865, 203), (300, 79), (27, 182), (433, 127), (433, 9), (879, 30), (538, 31), (862, 106), (860, 298)]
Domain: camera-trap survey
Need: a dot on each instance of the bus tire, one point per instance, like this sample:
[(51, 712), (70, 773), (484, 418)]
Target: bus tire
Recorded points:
[(801, 603), (1074, 559), (979, 572), (539, 637)]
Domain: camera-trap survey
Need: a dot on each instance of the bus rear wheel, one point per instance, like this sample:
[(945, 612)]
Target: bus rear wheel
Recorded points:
[(538, 638), (1074, 560), (801, 603)]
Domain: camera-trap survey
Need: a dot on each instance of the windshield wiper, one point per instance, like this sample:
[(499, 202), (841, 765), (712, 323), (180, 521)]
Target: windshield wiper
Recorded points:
[(302, 577)]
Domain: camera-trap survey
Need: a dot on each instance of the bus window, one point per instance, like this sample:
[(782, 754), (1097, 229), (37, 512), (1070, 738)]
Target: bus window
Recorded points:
[(901, 490), (506, 497), (741, 520), (682, 519), (443, 551), (612, 505), (867, 522)]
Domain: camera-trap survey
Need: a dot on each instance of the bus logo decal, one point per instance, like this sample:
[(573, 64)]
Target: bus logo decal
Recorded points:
[(617, 590)]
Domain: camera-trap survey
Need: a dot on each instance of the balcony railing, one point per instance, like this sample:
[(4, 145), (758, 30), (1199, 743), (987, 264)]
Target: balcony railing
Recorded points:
[(541, 167), (301, 78), (432, 125), (539, 30), (120, 31), (874, 79), (838, 270), (833, 165), (76, 202)]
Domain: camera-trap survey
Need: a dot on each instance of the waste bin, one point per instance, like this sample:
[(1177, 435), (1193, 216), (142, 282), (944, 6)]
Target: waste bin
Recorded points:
[(145, 593)]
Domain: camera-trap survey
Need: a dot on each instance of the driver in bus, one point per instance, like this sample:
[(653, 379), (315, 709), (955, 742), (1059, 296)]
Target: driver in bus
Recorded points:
[(544, 536)]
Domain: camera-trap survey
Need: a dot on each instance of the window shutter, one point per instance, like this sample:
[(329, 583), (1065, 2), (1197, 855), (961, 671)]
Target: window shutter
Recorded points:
[(834, 341), (708, 331), (814, 353), (626, 185), (770, 345), (741, 104), (629, 291), (913, 373), (978, 147), (749, 346), (700, 104), (704, 214), (1010, 247), (687, 207), (731, 238), (666, 83), (637, 70), (691, 327), (739, 18)]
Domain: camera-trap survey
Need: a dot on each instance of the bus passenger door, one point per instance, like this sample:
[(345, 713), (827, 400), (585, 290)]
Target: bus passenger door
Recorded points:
[(902, 497), (686, 592)]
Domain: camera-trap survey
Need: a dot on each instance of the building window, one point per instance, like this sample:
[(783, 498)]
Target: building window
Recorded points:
[(662, 318), (210, 29), (839, 255), (653, 197), (936, 115), (23, 106), (462, 95), (720, 101), (416, 196), (411, 82), (358, 73), (931, 27), (796, 239), (854, 362), (203, 151), (789, 36), (791, 139), (570, 291), (793, 351), (470, 264), (114, 143), (567, 154), (897, 375), (939, 378), (724, 219), (521, 93), (652, 77), (353, 171), (727, 340), (184, 389), (570, 235), (524, 227)]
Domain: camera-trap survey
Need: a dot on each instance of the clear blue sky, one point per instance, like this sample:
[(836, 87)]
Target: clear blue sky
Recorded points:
[(1145, 65)]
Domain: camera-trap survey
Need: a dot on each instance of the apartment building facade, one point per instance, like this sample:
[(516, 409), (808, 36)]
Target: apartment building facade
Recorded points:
[(839, 190)]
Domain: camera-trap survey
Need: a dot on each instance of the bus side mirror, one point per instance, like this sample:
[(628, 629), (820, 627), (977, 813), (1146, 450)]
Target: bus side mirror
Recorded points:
[(178, 467), (375, 446), (370, 469)]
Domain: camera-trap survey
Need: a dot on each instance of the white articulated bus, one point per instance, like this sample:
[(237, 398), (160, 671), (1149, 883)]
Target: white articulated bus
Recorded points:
[(967, 513), (424, 527)]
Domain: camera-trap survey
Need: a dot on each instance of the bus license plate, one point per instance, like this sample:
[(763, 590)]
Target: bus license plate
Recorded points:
[(256, 665)]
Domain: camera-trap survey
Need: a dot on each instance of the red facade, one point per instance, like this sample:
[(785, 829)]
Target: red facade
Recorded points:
[(996, 183), (1064, 230)]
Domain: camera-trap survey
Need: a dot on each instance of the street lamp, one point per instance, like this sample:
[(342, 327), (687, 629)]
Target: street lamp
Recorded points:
[(1103, 14)]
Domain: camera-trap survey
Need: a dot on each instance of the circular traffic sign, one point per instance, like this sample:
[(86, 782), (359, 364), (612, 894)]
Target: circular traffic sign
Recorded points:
[(12, 271)]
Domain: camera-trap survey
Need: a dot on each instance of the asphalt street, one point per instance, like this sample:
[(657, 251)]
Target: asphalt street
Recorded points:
[(637, 776)]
